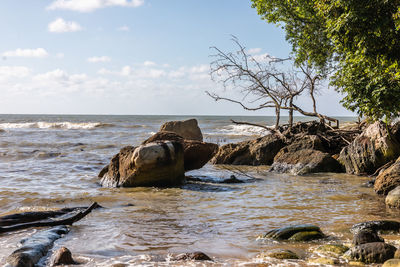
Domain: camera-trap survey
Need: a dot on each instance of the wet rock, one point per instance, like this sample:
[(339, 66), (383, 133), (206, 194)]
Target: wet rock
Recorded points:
[(366, 236), (196, 153), (281, 254), (336, 249), (393, 198), (153, 164), (377, 226), (62, 256), (260, 151), (305, 161), (306, 236), (196, 256), (306, 142), (388, 179), (377, 252), (35, 247), (373, 148), (232, 180), (324, 261), (392, 263), (188, 129), (285, 233), (397, 254)]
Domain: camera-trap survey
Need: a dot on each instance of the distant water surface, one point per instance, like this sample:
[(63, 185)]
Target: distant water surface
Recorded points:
[(52, 161)]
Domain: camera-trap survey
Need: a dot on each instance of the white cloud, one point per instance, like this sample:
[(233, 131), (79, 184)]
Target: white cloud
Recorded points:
[(37, 53), (60, 25), (91, 5), (123, 29), (60, 55), (149, 63), (262, 57), (9, 72), (99, 59), (126, 71), (253, 51)]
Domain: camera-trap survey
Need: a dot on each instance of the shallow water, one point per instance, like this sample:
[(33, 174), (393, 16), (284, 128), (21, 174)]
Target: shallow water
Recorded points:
[(49, 162)]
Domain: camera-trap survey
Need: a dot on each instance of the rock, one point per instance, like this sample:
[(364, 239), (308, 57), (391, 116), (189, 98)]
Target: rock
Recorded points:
[(373, 148), (377, 226), (188, 129), (324, 261), (281, 254), (336, 249), (62, 256), (305, 161), (305, 142), (294, 231), (306, 236), (389, 179), (395, 130), (392, 263), (232, 180), (196, 256), (393, 198), (377, 252), (35, 247), (366, 236), (196, 153), (397, 254), (152, 164), (260, 151)]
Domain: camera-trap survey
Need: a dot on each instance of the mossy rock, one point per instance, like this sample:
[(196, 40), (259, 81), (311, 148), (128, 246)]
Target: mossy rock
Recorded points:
[(287, 232), (306, 236), (392, 263), (282, 254), (356, 263), (324, 261), (336, 249)]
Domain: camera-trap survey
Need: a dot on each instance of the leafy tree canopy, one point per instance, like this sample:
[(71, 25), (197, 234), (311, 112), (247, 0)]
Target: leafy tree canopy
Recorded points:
[(358, 41)]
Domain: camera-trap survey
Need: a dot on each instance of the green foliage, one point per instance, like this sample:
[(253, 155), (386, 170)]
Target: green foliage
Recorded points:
[(358, 40)]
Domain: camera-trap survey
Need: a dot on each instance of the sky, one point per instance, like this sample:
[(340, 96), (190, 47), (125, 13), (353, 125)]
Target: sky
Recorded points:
[(129, 56)]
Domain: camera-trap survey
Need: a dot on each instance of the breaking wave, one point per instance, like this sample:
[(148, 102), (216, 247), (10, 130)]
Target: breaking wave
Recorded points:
[(55, 125), (246, 130)]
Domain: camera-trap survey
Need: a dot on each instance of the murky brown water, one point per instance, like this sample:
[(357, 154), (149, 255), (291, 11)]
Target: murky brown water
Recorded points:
[(141, 226)]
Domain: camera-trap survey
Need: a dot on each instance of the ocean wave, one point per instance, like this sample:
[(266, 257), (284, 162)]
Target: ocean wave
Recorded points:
[(242, 130), (55, 125)]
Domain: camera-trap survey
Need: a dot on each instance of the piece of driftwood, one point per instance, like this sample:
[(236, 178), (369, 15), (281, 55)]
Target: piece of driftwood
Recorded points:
[(33, 216), (67, 221)]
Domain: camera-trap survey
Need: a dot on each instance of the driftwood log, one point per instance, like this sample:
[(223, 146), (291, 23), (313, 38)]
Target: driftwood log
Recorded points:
[(27, 220)]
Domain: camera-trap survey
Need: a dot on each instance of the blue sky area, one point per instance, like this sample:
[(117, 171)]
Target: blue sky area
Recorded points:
[(127, 57)]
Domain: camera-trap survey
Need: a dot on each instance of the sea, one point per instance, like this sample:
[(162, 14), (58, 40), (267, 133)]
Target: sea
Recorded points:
[(49, 162)]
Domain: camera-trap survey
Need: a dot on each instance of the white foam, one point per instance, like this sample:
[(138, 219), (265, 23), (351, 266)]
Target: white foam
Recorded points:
[(246, 130), (52, 125)]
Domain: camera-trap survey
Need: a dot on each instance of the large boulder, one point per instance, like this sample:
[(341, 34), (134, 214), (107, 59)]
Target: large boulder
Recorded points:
[(374, 147), (377, 252), (260, 151), (389, 179), (153, 164), (196, 153), (305, 161), (393, 198), (188, 129)]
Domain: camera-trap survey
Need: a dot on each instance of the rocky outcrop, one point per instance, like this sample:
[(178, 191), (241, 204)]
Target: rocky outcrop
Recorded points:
[(35, 247), (377, 252), (393, 198), (305, 161), (389, 179), (376, 226), (374, 147), (153, 164), (255, 152), (196, 153), (188, 129), (301, 232)]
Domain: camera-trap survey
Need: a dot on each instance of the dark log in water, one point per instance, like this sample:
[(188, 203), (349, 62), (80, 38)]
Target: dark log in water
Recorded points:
[(67, 221)]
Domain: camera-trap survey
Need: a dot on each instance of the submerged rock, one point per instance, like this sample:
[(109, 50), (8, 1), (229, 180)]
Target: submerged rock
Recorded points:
[(370, 150), (260, 151), (301, 232), (196, 256), (366, 236), (153, 164), (305, 161), (188, 129), (377, 226), (62, 256), (35, 247), (388, 179), (324, 261), (282, 254), (196, 153), (377, 252), (393, 198), (336, 249)]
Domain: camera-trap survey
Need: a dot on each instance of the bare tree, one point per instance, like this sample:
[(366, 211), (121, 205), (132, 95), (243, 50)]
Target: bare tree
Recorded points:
[(268, 82)]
